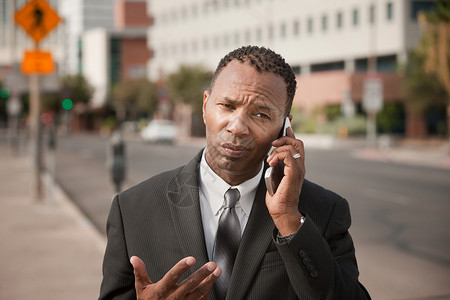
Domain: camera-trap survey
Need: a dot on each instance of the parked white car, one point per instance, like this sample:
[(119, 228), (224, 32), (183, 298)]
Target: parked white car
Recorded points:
[(159, 131)]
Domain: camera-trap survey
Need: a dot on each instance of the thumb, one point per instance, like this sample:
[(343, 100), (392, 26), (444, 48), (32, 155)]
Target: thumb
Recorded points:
[(141, 279)]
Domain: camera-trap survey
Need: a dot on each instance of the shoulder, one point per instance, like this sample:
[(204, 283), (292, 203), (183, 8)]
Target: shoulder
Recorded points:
[(157, 186), (322, 204), (150, 186)]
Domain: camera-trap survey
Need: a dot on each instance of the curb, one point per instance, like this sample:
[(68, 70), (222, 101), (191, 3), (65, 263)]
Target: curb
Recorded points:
[(58, 195)]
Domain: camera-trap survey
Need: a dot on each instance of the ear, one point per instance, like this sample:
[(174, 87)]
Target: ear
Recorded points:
[(290, 118), (206, 95)]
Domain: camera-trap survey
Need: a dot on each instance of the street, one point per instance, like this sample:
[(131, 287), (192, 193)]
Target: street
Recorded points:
[(400, 212)]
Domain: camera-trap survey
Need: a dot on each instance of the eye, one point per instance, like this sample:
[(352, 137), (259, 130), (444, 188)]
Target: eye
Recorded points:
[(226, 105), (262, 115)]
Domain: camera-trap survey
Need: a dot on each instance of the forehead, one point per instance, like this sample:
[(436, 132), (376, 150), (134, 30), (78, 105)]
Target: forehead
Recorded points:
[(244, 78)]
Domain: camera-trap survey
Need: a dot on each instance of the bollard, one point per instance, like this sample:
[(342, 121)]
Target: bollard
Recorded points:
[(117, 162)]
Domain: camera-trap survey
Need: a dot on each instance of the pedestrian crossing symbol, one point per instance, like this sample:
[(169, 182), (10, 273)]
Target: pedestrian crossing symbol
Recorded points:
[(37, 18)]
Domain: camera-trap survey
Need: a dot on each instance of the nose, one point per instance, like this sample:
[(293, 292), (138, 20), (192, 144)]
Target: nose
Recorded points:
[(238, 125)]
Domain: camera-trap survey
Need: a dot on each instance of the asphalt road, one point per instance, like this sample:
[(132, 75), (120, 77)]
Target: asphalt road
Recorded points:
[(400, 212)]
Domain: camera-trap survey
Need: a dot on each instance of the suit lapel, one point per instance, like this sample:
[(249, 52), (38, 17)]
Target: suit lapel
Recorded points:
[(184, 206), (255, 241)]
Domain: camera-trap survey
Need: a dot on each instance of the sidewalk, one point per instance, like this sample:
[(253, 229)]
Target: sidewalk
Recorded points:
[(417, 153), (49, 250)]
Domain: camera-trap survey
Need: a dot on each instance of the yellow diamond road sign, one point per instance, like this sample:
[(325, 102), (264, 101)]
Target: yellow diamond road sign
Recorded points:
[(37, 18)]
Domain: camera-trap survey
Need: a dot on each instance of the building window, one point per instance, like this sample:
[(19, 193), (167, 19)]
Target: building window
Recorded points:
[(389, 11), (355, 17), (372, 14), (205, 44), (310, 25), (361, 65), (194, 10), (236, 38), (331, 66), (206, 7), (247, 37), (216, 42), (283, 30), (324, 23), (296, 70), (258, 34), (183, 48), (114, 60), (387, 63), (296, 28), (226, 40), (270, 32), (236, 3), (183, 13), (226, 3), (339, 20), (174, 16)]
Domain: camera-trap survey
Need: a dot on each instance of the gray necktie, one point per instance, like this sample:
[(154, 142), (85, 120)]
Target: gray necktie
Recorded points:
[(227, 241)]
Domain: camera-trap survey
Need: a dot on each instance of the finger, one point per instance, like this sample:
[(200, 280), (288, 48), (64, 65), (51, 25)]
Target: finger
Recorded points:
[(205, 287), (141, 279), (171, 278), (193, 282), (274, 158)]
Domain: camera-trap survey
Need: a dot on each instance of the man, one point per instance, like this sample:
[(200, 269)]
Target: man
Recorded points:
[(165, 235)]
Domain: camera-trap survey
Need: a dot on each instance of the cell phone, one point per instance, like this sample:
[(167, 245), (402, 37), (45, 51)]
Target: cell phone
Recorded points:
[(274, 174)]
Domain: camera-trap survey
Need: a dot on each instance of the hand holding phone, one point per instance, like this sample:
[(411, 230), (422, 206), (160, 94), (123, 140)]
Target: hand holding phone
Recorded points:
[(274, 175)]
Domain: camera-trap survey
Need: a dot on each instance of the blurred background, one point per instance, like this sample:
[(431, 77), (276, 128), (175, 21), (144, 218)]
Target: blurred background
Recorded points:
[(99, 95)]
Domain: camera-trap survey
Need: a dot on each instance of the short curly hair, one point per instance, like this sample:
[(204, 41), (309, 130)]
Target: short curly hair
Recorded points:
[(263, 60)]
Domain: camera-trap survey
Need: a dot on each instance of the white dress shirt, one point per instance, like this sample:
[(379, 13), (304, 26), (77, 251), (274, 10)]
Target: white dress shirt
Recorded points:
[(212, 191)]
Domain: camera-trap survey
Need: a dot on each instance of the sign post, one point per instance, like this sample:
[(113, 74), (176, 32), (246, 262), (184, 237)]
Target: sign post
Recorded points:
[(372, 104), (37, 18)]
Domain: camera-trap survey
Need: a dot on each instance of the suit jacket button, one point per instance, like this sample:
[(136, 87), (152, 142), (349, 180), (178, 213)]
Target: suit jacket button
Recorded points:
[(310, 268), (302, 253), (314, 273), (306, 261)]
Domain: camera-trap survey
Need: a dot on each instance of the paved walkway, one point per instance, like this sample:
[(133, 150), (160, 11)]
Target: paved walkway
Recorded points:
[(49, 250)]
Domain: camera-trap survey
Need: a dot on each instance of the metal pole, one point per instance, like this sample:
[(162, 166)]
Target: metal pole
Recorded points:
[(13, 114), (36, 134), (371, 135)]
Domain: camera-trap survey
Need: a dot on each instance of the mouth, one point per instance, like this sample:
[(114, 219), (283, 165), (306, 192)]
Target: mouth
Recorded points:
[(234, 151)]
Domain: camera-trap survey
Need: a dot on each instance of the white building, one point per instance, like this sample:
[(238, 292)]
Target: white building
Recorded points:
[(81, 16), (312, 36)]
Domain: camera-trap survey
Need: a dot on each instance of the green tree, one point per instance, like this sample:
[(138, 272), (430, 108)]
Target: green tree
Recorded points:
[(76, 88), (435, 47), (187, 85), (134, 97), (420, 90)]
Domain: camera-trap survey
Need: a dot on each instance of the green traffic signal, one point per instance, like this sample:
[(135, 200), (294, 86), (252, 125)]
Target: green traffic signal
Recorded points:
[(67, 104), (4, 93)]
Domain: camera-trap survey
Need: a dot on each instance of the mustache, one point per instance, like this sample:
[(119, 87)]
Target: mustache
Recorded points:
[(229, 140)]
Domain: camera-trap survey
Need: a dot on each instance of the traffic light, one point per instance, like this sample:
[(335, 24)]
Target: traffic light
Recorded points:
[(4, 93), (67, 104)]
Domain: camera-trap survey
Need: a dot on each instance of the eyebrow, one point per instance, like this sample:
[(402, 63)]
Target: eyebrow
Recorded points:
[(259, 106)]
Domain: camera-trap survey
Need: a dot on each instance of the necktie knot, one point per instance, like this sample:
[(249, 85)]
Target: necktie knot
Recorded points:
[(231, 197)]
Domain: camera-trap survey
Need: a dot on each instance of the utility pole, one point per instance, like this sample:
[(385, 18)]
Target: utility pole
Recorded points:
[(373, 86), (37, 19)]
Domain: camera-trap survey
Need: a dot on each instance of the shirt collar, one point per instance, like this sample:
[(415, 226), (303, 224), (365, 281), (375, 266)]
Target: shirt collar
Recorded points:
[(214, 188)]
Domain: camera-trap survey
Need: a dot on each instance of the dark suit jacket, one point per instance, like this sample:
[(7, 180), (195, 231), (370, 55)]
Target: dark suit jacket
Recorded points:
[(159, 221)]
